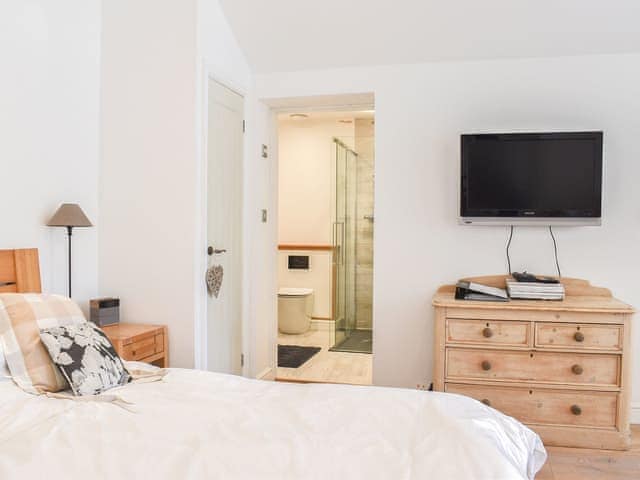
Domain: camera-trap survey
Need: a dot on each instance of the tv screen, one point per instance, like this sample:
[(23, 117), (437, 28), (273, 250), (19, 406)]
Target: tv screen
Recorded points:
[(531, 175)]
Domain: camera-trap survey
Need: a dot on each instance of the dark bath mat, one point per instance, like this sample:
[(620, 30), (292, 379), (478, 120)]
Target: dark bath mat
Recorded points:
[(293, 356)]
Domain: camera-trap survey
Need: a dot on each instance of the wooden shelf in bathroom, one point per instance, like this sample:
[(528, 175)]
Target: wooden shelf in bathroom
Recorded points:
[(326, 248)]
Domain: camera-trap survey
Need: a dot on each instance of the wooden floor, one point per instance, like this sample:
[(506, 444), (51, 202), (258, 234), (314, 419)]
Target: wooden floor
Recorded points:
[(583, 464)]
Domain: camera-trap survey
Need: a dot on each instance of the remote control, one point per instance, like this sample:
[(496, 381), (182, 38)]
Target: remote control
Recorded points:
[(524, 277), (528, 277)]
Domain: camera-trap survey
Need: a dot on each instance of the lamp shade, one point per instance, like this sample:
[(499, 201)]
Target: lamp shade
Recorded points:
[(69, 215)]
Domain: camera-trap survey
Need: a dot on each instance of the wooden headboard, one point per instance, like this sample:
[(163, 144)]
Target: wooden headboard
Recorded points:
[(20, 271)]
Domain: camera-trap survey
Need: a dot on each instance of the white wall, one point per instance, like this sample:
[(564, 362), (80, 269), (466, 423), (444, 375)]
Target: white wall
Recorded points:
[(156, 58), (49, 91), (306, 170), (218, 48), (148, 167), (261, 238), (420, 112)]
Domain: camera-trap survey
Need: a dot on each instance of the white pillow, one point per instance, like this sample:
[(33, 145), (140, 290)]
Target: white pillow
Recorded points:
[(5, 374)]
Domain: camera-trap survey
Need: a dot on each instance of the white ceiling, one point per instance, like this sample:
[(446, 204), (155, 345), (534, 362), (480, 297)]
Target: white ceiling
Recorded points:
[(290, 35)]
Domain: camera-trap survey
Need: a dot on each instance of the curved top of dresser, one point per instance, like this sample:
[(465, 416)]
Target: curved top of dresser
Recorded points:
[(580, 296)]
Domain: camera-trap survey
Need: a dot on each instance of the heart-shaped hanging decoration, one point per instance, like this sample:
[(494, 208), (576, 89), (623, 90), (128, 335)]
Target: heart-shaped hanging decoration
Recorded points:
[(214, 279)]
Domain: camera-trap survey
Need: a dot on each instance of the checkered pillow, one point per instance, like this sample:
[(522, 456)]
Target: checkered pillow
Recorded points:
[(22, 316)]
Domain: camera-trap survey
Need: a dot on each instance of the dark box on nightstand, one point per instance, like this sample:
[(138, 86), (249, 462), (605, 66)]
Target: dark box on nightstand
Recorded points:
[(105, 311)]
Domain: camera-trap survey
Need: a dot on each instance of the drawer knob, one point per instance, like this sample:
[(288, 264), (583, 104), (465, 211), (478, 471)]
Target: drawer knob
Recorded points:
[(487, 332), (578, 337), (576, 410), (577, 369), (486, 402), (486, 365)]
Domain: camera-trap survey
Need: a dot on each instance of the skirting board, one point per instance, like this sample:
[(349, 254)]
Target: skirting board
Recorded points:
[(322, 325), (635, 413)]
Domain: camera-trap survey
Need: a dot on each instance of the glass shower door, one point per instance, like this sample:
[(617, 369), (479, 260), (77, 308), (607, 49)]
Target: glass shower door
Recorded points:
[(350, 244), (344, 242)]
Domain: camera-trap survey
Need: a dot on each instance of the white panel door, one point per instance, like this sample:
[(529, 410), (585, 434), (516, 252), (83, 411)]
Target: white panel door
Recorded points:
[(224, 229)]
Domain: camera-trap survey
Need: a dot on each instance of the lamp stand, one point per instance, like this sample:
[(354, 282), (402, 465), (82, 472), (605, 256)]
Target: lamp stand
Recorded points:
[(69, 215), (69, 233)]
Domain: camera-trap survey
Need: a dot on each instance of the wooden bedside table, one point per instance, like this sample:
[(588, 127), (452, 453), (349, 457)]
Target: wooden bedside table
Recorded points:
[(140, 342)]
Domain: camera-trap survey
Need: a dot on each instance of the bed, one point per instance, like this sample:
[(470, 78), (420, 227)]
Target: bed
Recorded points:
[(194, 425)]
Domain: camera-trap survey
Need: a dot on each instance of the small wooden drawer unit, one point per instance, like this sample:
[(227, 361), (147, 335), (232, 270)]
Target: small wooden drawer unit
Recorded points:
[(562, 368), (139, 342), (482, 333), (579, 337)]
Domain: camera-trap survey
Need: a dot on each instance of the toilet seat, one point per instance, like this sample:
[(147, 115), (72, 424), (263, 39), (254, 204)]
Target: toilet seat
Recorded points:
[(295, 309)]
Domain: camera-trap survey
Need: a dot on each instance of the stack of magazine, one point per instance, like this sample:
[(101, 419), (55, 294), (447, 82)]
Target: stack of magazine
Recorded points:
[(535, 290)]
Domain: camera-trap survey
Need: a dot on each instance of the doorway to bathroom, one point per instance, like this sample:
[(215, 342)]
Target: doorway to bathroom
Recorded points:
[(325, 245)]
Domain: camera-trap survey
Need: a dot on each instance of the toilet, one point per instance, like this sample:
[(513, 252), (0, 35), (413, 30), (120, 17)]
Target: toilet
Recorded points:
[(295, 307)]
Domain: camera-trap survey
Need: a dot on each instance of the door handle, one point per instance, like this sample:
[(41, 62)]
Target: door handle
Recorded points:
[(343, 247), (339, 247), (215, 251)]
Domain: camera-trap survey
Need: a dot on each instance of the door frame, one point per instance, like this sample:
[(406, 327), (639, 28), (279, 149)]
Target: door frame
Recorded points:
[(207, 72), (335, 103)]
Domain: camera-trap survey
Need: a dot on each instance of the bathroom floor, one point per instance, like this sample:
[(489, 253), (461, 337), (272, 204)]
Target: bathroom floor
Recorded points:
[(359, 341), (326, 366)]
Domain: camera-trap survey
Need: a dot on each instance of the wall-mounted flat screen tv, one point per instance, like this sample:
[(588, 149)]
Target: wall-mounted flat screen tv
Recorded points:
[(522, 178)]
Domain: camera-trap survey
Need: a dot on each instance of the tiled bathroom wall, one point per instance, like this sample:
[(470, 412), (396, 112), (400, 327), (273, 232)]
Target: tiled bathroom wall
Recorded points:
[(364, 145)]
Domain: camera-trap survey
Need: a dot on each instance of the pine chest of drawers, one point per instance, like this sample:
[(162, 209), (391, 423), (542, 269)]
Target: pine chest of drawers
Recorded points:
[(562, 368)]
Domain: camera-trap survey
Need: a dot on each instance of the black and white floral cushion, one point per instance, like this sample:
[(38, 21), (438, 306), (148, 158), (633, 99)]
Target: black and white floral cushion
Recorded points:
[(86, 358)]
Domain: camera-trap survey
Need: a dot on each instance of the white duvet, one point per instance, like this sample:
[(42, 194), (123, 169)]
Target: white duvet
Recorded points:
[(201, 425)]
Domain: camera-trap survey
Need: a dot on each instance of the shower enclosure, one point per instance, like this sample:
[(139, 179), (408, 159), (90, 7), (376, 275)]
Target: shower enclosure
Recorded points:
[(348, 337)]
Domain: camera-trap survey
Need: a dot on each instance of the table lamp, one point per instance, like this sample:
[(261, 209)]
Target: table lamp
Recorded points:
[(69, 215)]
